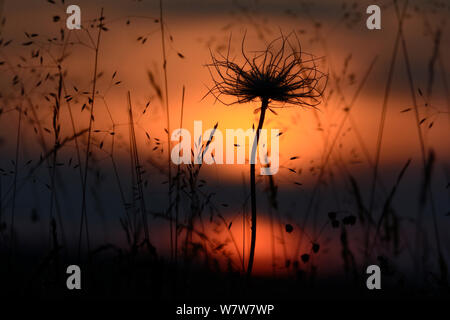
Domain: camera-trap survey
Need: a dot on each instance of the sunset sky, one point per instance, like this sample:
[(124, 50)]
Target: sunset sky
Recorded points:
[(332, 30)]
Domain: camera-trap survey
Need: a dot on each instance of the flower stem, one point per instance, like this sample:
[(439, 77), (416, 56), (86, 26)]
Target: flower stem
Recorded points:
[(264, 105)]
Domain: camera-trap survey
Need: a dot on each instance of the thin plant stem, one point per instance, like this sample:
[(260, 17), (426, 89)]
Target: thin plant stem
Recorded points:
[(138, 169), (381, 125), (163, 43), (1, 193), (326, 160), (244, 217), (177, 203), (83, 210), (264, 106)]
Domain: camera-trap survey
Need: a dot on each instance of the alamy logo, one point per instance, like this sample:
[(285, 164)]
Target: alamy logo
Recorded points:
[(374, 20), (74, 278), (212, 152)]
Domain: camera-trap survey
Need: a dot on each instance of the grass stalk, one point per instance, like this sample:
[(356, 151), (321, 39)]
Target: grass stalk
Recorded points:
[(138, 170), (382, 124)]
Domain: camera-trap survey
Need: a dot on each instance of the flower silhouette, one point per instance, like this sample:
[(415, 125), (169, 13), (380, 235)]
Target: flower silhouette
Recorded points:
[(281, 73)]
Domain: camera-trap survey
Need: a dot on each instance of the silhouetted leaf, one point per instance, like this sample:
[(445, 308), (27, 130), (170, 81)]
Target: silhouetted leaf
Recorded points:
[(332, 215), (305, 257), (349, 220), (315, 247)]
